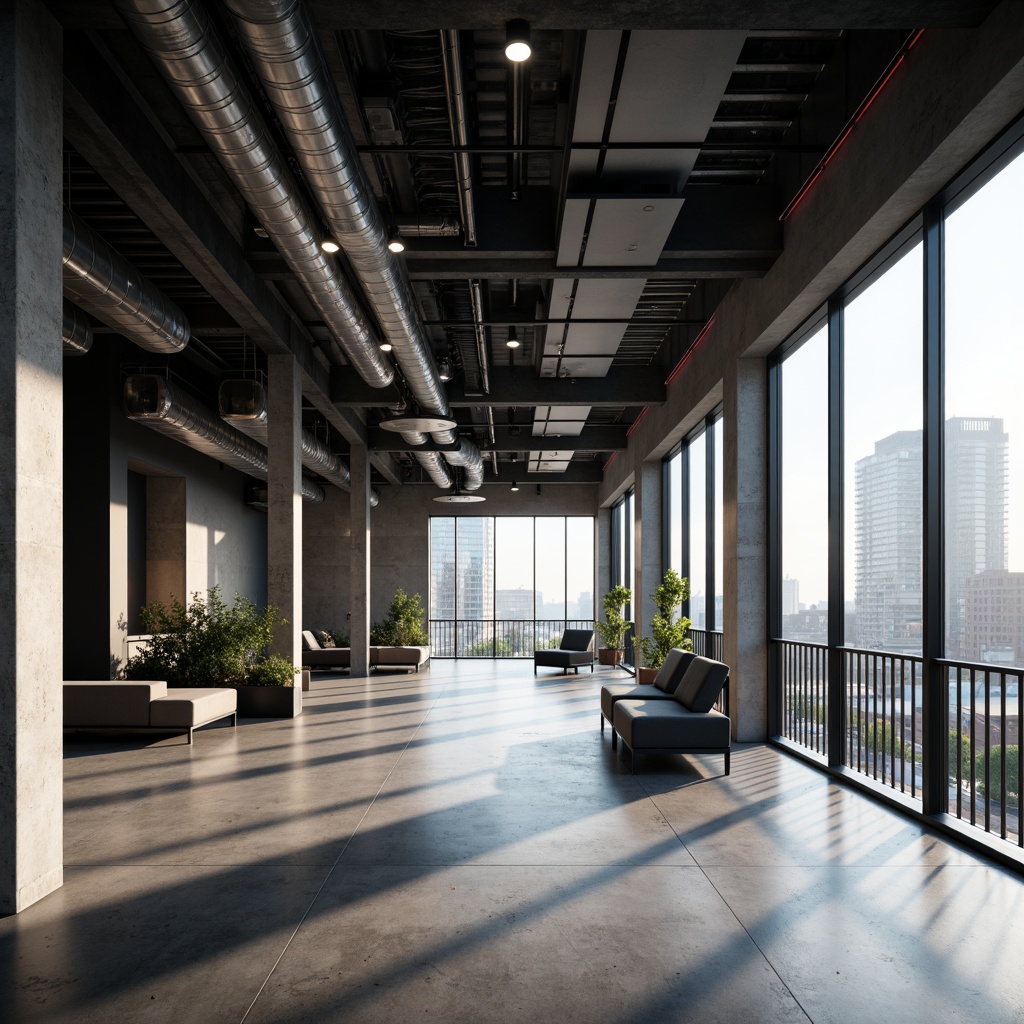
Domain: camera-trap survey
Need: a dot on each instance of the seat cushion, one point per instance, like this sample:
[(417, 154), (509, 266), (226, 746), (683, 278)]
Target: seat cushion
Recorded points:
[(114, 703), (612, 693), (327, 657), (672, 668), (701, 684), (561, 658), (185, 708), (663, 724), (310, 642)]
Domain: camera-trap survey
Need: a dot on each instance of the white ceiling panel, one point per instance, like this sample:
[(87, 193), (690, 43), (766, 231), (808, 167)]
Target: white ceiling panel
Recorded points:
[(630, 231), (574, 223)]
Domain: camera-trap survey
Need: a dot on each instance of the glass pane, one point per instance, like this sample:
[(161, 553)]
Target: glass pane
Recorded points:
[(984, 442), (579, 568), (513, 567), (674, 511), (441, 609), (805, 491), (474, 545), (550, 567), (698, 531), (716, 623), (883, 414)]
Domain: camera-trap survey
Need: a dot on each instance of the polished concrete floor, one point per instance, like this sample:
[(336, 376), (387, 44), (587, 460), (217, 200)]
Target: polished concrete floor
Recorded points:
[(463, 845)]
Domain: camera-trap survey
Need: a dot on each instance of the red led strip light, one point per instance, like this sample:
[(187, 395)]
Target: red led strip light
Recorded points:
[(852, 123)]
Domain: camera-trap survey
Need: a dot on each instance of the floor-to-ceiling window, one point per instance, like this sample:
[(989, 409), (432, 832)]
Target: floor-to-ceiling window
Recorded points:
[(622, 537), (898, 514), (984, 497), (692, 507), (501, 586)]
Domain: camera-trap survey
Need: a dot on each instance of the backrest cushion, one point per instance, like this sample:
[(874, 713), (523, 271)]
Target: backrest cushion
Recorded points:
[(310, 641), (577, 640), (672, 668), (701, 684)]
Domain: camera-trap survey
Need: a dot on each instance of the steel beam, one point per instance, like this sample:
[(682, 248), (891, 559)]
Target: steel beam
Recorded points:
[(629, 386)]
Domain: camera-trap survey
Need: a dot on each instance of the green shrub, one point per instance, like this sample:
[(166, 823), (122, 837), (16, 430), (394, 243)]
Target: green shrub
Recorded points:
[(666, 630), (204, 643), (613, 629), (274, 670), (995, 774), (403, 626)]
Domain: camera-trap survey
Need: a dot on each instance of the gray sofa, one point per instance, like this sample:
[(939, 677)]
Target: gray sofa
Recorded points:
[(663, 688), (686, 724), (573, 652), (337, 658), (134, 704)]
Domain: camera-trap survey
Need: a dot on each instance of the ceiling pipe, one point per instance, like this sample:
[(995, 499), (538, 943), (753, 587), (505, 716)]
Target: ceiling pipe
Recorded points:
[(180, 39), (76, 331), (451, 59), (427, 227), (156, 403), (476, 300), (243, 405), (282, 45), (110, 288)]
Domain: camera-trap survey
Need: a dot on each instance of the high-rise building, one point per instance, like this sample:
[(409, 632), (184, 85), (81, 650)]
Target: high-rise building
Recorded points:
[(994, 617), (790, 596), (887, 554), (976, 509)]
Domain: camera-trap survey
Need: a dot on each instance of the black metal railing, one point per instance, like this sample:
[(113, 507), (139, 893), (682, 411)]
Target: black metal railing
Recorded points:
[(708, 643), (883, 693), (804, 682), (984, 746), (497, 638)]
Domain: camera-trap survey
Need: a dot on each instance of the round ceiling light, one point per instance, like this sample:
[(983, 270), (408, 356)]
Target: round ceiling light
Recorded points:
[(417, 424), (452, 499)]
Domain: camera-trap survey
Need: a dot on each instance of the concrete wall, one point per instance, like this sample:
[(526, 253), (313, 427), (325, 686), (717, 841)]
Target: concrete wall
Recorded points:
[(225, 541), (400, 547)]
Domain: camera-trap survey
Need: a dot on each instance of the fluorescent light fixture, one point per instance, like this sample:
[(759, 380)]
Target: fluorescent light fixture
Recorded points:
[(517, 40)]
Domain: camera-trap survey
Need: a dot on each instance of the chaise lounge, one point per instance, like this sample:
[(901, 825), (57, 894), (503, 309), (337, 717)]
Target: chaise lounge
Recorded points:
[(314, 656), (140, 705), (573, 652), (686, 724)]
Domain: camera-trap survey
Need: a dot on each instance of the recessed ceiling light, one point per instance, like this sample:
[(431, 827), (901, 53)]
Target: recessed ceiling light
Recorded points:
[(418, 424)]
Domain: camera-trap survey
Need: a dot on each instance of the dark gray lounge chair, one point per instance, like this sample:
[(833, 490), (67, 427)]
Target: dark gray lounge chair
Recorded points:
[(573, 652)]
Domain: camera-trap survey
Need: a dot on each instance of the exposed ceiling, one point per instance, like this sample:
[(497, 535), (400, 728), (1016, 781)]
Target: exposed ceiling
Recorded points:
[(597, 200)]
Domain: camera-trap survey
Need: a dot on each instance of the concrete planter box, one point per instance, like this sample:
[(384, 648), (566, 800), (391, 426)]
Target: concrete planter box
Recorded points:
[(269, 701)]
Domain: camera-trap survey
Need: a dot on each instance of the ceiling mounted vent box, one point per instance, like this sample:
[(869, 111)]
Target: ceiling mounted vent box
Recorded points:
[(382, 115)]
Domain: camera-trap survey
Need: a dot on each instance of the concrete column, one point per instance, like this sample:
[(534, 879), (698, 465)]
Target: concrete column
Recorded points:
[(647, 570), (602, 560), (745, 529), (359, 468), (284, 503), (31, 472)]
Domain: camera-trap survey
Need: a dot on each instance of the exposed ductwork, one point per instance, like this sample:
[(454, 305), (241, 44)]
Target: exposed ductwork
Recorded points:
[(283, 47), (181, 42), (476, 301), (155, 402), (110, 288), (76, 331), (243, 404), (428, 227)]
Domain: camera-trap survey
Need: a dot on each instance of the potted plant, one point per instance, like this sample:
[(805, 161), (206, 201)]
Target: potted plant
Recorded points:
[(403, 626), (613, 629), (666, 630), (207, 643)]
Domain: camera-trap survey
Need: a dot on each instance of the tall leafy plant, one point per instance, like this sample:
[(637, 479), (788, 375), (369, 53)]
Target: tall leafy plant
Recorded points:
[(403, 626), (667, 631), (209, 643), (613, 629)]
